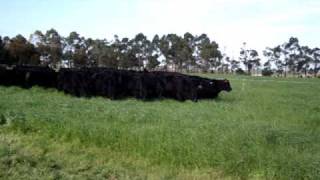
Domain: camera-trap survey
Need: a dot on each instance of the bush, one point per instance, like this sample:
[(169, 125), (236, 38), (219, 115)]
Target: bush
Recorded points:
[(267, 72), (240, 71)]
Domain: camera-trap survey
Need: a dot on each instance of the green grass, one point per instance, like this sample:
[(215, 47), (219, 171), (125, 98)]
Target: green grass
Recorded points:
[(266, 128)]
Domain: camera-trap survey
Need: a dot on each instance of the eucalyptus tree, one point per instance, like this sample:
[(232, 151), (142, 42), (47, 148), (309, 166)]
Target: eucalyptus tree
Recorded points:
[(154, 53), (92, 59), (39, 41), (267, 66), (127, 54), (180, 51), (275, 58), (293, 58), (78, 49), (189, 50), (80, 57), (140, 46), (108, 58), (1, 47), (22, 52), (2, 52), (53, 47), (316, 60), (170, 46), (5, 55), (200, 43), (165, 46), (95, 48), (225, 66), (250, 58), (207, 52), (109, 53), (234, 65), (291, 52), (211, 55), (304, 60)]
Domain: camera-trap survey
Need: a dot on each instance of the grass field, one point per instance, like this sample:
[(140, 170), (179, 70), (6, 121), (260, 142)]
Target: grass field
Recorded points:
[(266, 128)]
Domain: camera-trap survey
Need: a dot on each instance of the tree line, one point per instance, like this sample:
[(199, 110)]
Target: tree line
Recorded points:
[(170, 52)]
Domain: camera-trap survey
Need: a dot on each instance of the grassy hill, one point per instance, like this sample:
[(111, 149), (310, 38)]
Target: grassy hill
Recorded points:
[(266, 128)]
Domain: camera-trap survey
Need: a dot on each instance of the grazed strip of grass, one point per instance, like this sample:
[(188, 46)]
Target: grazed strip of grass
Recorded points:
[(30, 156)]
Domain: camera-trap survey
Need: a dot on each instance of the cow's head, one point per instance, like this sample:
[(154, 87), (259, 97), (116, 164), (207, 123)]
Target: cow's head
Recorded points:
[(224, 85)]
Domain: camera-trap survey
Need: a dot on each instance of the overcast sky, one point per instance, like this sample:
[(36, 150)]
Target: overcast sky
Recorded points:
[(260, 23)]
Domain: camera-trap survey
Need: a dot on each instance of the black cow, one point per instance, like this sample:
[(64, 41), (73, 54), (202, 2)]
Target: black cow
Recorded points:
[(36, 76), (115, 84), (7, 76), (75, 82), (106, 83), (28, 76), (206, 88)]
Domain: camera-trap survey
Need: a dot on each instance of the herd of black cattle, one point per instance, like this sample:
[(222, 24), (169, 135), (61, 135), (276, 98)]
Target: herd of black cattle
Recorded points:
[(114, 84)]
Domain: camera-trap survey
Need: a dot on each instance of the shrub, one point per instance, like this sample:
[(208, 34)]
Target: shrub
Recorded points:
[(267, 72), (240, 71)]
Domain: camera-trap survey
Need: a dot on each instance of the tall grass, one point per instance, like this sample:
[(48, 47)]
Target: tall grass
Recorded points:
[(262, 129)]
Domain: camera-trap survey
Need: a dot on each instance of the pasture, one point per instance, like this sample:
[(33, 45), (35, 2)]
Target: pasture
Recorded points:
[(266, 128)]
